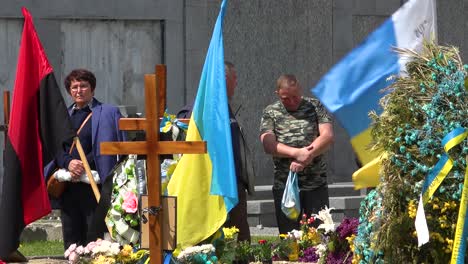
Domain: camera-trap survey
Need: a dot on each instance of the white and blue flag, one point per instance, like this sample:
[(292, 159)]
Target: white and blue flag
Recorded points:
[(351, 89)]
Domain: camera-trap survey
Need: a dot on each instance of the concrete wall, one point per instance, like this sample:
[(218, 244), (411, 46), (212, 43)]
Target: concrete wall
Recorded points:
[(122, 40), (265, 39)]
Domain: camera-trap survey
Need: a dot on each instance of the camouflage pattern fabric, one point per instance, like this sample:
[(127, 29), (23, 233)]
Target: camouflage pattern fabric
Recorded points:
[(296, 129)]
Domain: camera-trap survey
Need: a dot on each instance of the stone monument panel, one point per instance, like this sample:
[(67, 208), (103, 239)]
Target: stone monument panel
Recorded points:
[(118, 52)]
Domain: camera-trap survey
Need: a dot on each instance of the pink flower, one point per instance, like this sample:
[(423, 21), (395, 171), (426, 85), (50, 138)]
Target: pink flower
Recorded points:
[(80, 250), (73, 258), (130, 204), (70, 250), (89, 248)]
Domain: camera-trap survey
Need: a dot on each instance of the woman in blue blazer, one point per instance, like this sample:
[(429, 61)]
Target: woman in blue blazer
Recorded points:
[(96, 122)]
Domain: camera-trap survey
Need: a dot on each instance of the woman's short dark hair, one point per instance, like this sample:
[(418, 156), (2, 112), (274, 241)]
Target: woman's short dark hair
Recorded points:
[(80, 75)]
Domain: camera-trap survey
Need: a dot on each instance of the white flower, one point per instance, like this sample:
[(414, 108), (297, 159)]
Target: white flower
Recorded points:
[(106, 244), (114, 249), (320, 250), (181, 255), (207, 248), (191, 251), (296, 234), (326, 217)]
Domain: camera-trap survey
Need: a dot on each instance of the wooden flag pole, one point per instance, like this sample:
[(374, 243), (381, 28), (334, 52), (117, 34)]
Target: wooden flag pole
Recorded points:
[(6, 113), (87, 169), (6, 107)]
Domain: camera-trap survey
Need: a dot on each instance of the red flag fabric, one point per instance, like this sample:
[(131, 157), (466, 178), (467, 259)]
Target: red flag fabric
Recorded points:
[(38, 125)]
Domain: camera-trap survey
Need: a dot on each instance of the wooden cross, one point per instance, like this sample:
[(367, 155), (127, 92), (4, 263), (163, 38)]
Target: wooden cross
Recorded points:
[(155, 96)]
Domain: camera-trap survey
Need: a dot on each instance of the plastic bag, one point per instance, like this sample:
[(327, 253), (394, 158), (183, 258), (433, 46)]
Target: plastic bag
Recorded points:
[(290, 203)]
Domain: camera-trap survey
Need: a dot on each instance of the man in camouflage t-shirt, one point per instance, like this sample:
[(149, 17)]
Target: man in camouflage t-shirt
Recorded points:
[(296, 131)]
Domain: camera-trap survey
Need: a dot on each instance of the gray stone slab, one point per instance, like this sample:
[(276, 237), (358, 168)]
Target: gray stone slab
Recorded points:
[(386, 7), (364, 25), (343, 4), (58, 9), (119, 53), (42, 231), (342, 30), (364, 7), (451, 25), (260, 207), (346, 202), (345, 189)]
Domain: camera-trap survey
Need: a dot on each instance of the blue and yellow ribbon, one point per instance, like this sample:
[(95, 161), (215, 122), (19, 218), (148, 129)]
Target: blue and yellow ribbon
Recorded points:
[(170, 122), (459, 241), (444, 165), (433, 181)]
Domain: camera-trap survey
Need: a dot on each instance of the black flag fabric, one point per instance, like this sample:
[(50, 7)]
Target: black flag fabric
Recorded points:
[(39, 123)]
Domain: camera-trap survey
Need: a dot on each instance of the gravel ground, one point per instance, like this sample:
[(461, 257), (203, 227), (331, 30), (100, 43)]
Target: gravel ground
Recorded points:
[(47, 261)]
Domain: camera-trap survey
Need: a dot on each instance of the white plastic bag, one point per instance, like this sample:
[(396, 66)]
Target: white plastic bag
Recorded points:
[(290, 203)]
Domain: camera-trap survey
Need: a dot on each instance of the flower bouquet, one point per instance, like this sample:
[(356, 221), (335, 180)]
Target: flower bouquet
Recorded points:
[(263, 251), (324, 244), (122, 218), (103, 252)]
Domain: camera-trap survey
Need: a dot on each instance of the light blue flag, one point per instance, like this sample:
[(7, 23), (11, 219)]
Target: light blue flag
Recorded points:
[(205, 184), (211, 114)]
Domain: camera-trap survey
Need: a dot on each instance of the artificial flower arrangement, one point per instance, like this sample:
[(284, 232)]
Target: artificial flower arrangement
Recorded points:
[(420, 109), (326, 243), (203, 254), (170, 123), (104, 252), (243, 252), (122, 218)]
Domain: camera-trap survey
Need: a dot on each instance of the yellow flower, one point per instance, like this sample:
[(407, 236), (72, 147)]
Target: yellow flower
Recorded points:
[(313, 236), (449, 247), (351, 242), (453, 204), (230, 232), (125, 254), (437, 236), (139, 254), (103, 260), (445, 208), (412, 209)]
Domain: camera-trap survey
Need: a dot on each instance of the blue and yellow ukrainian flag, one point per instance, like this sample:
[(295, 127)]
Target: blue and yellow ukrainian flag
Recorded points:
[(351, 89), (205, 184)]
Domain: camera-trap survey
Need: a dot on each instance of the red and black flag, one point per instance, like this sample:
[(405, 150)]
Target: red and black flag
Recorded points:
[(38, 125)]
